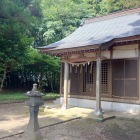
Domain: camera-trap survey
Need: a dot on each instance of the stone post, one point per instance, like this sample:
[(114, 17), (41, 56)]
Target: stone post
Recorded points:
[(98, 111), (35, 100), (66, 78)]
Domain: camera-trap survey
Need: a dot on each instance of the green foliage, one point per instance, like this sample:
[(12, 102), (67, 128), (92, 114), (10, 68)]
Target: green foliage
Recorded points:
[(16, 19), (40, 68), (13, 95), (45, 68), (26, 23), (6, 96), (108, 6), (63, 17)]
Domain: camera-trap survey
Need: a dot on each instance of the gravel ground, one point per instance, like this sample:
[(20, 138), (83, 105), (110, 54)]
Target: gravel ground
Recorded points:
[(88, 129), (82, 129)]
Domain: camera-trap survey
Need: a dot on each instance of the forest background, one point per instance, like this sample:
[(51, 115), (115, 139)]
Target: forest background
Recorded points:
[(28, 24)]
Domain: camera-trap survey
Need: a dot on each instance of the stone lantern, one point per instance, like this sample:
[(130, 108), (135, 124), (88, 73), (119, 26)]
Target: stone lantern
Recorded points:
[(35, 100)]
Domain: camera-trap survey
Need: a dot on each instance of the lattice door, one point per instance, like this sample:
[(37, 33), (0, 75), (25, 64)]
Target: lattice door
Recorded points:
[(89, 78), (104, 77)]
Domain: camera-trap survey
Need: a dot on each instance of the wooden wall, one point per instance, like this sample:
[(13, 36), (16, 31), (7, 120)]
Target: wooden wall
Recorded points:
[(131, 52)]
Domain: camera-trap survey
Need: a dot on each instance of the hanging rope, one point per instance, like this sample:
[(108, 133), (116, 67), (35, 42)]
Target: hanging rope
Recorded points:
[(91, 67), (81, 68), (79, 63), (70, 68), (76, 67)]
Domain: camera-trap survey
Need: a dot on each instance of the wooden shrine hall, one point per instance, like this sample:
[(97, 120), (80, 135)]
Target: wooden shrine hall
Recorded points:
[(101, 63)]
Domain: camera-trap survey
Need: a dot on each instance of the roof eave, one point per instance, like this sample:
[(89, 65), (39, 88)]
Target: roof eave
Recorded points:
[(121, 41), (65, 51)]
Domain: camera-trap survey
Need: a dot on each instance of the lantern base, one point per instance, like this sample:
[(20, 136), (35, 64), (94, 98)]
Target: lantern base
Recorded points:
[(28, 135)]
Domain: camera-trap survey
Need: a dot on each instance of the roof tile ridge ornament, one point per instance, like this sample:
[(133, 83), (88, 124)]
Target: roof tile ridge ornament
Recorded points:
[(113, 15), (82, 22)]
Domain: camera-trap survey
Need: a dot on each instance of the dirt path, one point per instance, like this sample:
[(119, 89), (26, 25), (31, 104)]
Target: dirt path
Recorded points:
[(87, 129), (11, 112), (14, 118)]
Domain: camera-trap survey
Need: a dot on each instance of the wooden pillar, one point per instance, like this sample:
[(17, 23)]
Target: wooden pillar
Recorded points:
[(61, 78), (98, 109), (66, 78), (138, 84)]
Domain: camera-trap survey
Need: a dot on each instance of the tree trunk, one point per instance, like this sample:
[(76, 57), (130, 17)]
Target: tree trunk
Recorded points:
[(4, 76), (40, 81), (52, 82)]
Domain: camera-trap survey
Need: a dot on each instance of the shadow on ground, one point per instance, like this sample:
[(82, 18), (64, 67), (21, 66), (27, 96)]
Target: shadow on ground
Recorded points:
[(85, 128)]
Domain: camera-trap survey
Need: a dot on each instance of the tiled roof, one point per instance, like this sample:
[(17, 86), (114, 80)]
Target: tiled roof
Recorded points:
[(97, 31)]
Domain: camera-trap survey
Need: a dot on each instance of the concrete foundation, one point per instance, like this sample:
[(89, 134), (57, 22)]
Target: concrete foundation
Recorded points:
[(115, 106)]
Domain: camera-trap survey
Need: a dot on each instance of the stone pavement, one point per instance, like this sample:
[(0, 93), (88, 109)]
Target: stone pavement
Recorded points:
[(16, 122)]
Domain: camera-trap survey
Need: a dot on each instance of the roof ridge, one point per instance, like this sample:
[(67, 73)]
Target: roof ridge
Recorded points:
[(112, 15)]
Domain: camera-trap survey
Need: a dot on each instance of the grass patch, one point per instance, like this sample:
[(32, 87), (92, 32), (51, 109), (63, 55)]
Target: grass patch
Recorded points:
[(51, 96), (13, 95)]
